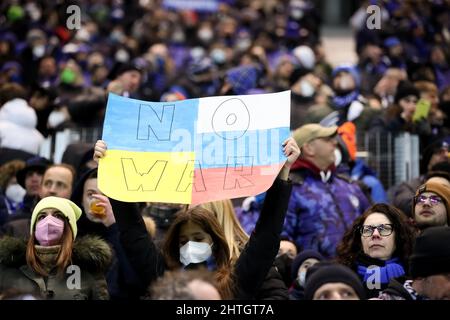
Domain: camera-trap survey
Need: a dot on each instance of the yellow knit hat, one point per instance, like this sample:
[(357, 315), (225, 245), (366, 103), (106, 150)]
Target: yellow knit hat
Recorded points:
[(67, 208)]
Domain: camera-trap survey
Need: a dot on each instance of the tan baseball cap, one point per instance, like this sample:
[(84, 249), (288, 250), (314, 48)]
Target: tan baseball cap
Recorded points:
[(312, 131)]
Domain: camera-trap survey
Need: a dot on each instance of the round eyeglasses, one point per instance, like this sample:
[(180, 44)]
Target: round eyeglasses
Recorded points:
[(434, 200), (383, 229)]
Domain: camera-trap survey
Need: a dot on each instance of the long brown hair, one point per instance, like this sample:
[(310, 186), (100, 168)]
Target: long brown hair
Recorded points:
[(64, 257), (220, 250), (351, 246)]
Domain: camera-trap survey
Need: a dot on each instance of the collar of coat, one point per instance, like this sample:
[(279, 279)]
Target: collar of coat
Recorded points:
[(89, 252), (308, 165)]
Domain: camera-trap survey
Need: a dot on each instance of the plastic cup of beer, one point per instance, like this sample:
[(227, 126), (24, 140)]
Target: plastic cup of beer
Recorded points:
[(96, 210)]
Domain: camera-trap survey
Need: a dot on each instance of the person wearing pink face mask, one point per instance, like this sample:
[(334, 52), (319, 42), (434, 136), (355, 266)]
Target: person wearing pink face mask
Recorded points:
[(52, 265)]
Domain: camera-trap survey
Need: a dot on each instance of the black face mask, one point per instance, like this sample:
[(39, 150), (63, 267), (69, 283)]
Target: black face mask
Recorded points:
[(163, 216)]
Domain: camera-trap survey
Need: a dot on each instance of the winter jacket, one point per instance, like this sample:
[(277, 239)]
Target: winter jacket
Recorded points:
[(253, 264), (18, 127), (399, 289), (90, 254), (273, 287), (120, 276), (319, 212)]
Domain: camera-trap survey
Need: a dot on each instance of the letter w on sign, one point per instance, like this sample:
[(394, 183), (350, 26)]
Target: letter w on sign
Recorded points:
[(231, 147)]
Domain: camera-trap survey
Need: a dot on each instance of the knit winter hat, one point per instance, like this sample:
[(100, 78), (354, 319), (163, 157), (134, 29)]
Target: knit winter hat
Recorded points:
[(432, 148), (37, 163), (441, 190), (405, 89), (302, 257), (351, 69), (431, 254), (69, 209), (333, 273), (243, 78)]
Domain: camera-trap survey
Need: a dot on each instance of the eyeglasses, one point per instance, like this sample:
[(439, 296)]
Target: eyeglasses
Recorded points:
[(434, 200), (383, 229)]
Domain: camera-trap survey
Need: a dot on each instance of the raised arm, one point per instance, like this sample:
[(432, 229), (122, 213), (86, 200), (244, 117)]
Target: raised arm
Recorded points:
[(258, 255), (142, 253)]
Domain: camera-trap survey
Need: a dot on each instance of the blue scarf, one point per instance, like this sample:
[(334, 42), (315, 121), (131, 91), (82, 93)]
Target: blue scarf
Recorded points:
[(341, 102), (392, 269)]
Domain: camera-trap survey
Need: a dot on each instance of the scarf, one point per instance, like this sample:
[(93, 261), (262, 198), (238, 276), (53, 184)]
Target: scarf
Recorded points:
[(388, 269), (305, 164), (340, 102), (48, 256)]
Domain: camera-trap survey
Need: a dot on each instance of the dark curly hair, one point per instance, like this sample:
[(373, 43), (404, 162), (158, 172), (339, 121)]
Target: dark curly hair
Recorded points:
[(351, 246)]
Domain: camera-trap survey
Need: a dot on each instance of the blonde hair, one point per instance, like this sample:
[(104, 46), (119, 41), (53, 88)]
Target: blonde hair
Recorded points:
[(235, 235)]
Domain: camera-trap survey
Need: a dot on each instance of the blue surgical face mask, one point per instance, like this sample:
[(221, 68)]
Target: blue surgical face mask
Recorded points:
[(218, 56), (301, 278), (195, 252)]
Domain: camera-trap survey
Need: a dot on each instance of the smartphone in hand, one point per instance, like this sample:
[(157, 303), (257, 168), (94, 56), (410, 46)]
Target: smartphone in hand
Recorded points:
[(422, 110)]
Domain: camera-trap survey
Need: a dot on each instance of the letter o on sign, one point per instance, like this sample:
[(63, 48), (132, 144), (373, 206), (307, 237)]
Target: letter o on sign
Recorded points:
[(231, 119)]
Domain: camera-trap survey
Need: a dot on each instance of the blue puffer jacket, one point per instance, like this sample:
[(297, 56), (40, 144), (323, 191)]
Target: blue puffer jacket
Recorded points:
[(319, 212)]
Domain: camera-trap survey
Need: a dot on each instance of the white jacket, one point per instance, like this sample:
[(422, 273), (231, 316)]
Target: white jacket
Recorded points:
[(18, 127)]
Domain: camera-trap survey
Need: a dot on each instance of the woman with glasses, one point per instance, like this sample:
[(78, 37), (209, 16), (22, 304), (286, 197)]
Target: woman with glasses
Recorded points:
[(377, 247)]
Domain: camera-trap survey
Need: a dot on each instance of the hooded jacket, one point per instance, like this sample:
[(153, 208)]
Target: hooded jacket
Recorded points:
[(90, 254), (18, 127), (121, 277)]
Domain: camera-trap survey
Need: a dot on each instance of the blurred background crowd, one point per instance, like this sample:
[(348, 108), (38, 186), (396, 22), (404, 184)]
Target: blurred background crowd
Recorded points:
[(58, 65)]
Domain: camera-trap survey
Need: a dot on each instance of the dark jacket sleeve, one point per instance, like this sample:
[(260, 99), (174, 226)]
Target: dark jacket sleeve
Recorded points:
[(258, 255), (127, 279), (273, 287), (142, 253)]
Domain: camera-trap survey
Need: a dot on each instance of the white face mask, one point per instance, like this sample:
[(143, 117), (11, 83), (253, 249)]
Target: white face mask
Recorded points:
[(15, 192), (218, 55), (301, 278), (205, 34), (307, 88), (38, 51), (194, 252)]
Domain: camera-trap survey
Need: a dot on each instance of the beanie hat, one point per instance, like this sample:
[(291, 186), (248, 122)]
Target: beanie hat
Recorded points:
[(405, 89), (305, 56), (391, 42), (302, 257), (69, 209), (431, 254), (333, 273), (311, 131), (441, 190), (350, 69), (428, 152), (243, 78), (37, 163)]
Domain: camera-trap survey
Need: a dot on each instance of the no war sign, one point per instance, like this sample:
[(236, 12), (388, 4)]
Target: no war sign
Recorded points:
[(193, 151)]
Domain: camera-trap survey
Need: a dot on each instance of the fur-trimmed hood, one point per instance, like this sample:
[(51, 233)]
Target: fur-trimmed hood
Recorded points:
[(89, 252)]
